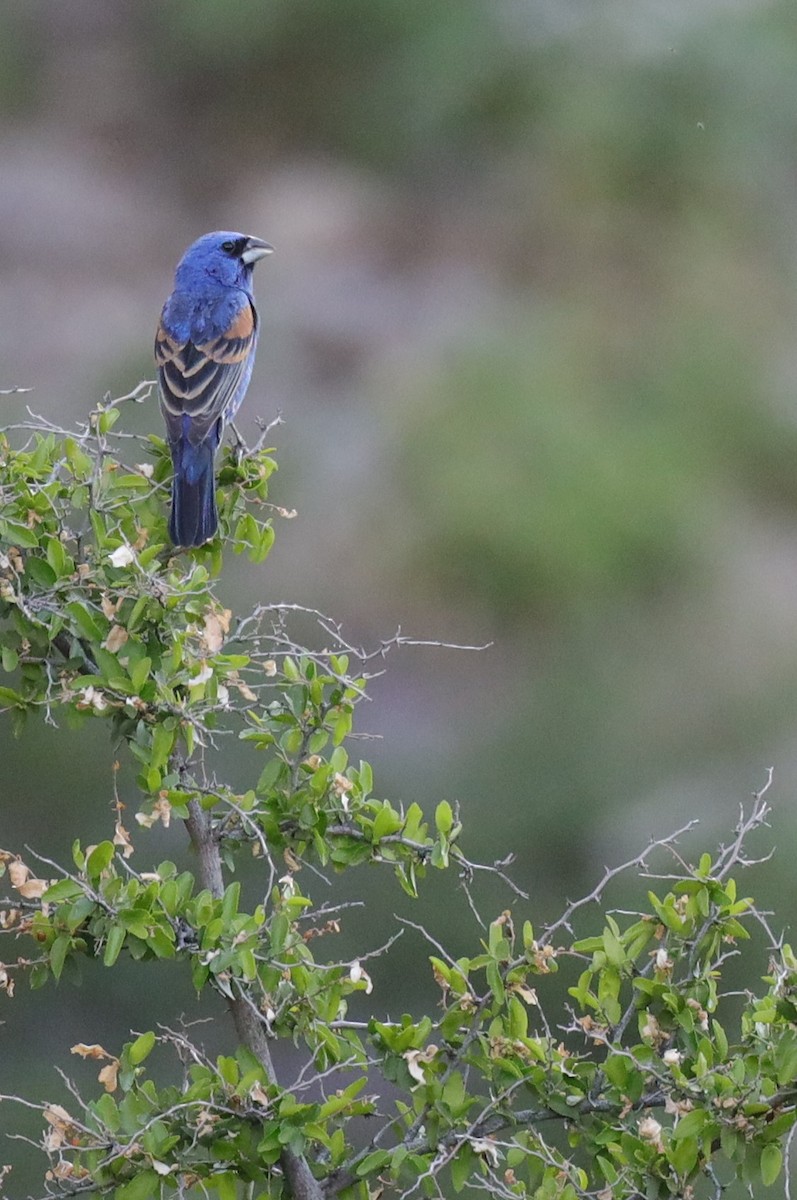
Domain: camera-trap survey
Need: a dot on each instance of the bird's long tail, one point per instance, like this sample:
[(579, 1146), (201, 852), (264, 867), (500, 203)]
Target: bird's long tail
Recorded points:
[(193, 517)]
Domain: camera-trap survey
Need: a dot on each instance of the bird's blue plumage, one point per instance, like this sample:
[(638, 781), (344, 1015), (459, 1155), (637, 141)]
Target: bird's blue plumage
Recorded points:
[(205, 349)]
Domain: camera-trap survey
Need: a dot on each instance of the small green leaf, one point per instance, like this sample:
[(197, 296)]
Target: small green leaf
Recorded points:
[(342, 726), (373, 1162), (99, 860), (85, 621), (113, 945), (386, 822), (262, 542), (17, 534), (58, 953), (786, 1058), (366, 778), (614, 949), (518, 1018), (10, 659), (56, 556), (690, 1124), (65, 889), (771, 1163), (495, 982), (162, 743), (145, 1185), (462, 1166), (290, 670), (230, 903), (139, 1049), (140, 673), (225, 1185), (443, 817)]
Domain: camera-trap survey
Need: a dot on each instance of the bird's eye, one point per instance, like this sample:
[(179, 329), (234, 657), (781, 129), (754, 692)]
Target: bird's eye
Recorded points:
[(228, 247)]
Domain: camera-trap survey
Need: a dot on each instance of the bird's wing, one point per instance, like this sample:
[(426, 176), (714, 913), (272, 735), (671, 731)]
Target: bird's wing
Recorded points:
[(200, 381)]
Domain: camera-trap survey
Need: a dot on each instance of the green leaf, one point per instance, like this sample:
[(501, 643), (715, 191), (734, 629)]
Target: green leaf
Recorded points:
[(720, 1039), (618, 1069), (341, 1100), (690, 1124), (261, 544), (588, 945), (107, 418), (342, 726), (771, 1163), (65, 889), (145, 1185), (99, 860), (58, 953), (230, 903), (366, 778), (107, 1110), (518, 1018), (373, 1162), (443, 817), (10, 659), (40, 572), (462, 1166), (138, 1050), (85, 621), (225, 1185), (290, 670), (113, 945), (683, 1154), (387, 821), (162, 743), (139, 673), (56, 556), (17, 534), (613, 948), (786, 1058), (414, 828), (495, 982)]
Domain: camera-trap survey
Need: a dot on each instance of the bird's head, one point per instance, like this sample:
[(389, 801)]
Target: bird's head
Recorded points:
[(226, 257)]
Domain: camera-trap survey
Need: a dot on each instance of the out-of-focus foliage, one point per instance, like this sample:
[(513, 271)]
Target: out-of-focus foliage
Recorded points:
[(531, 326)]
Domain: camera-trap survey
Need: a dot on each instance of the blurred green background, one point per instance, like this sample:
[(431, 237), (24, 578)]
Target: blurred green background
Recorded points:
[(531, 327)]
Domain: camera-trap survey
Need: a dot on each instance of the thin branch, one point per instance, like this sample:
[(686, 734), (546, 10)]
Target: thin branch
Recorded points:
[(610, 873)]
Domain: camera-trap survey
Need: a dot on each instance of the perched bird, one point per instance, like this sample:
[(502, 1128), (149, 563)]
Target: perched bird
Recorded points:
[(205, 351)]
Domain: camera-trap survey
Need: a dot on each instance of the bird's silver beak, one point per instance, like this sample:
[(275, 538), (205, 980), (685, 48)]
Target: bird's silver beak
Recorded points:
[(254, 250)]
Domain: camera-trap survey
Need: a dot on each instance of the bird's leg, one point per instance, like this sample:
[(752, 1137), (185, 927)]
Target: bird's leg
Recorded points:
[(239, 446)]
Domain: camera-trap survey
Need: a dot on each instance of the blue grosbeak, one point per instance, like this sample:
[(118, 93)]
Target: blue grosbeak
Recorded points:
[(205, 351)]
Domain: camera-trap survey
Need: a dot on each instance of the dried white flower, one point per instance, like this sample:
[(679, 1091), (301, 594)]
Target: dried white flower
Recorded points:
[(356, 974), (487, 1148), (649, 1129), (122, 556), (415, 1060), (91, 697)]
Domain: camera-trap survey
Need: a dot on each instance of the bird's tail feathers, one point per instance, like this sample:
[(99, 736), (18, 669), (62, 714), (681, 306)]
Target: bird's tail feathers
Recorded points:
[(193, 517)]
